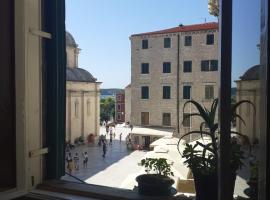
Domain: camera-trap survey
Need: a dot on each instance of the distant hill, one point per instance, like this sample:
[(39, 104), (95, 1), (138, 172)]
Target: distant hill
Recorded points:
[(110, 91)]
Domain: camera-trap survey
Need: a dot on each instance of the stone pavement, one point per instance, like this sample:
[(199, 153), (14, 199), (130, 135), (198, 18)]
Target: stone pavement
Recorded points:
[(112, 170)]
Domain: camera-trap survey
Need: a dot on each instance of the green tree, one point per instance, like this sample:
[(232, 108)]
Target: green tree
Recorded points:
[(107, 109)]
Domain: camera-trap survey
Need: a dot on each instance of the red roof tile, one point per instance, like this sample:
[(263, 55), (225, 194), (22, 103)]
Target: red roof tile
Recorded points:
[(187, 28)]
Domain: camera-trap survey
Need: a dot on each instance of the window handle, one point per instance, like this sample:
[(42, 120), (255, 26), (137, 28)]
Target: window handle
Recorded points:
[(40, 33)]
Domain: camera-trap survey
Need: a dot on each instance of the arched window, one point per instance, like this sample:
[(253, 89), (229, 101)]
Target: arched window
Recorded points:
[(88, 107), (76, 108)]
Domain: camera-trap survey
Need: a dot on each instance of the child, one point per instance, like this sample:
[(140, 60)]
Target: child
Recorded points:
[(76, 161)]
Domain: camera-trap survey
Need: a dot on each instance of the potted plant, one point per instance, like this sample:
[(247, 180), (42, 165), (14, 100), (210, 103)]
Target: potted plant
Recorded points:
[(157, 181), (202, 158)]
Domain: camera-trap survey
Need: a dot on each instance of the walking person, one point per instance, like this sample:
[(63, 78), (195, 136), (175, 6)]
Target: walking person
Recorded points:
[(85, 159), (110, 138), (69, 163), (120, 137), (76, 161), (104, 148)]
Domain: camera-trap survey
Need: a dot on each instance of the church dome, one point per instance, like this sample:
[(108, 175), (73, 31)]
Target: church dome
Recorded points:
[(70, 41), (79, 75), (252, 73)]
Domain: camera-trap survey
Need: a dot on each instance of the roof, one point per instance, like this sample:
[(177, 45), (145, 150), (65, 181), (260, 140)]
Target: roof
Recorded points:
[(252, 73), (183, 28), (70, 41), (79, 75)]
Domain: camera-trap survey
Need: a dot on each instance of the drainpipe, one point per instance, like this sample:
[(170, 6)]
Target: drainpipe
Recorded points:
[(177, 84)]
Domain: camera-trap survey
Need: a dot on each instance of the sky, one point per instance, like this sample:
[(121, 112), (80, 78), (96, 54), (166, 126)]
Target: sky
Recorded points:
[(102, 28)]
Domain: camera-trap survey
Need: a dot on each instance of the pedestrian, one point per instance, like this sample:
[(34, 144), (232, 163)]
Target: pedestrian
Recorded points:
[(111, 138), (69, 163), (114, 134), (120, 137), (85, 159), (104, 148), (76, 161)]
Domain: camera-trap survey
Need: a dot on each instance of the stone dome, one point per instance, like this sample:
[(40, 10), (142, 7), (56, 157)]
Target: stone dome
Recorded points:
[(252, 73), (79, 75), (70, 41)]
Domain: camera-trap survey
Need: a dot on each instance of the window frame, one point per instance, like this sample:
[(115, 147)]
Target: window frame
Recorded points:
[(163, 119), (211, 90), (166, 94), (143, 67), (187, 67), (145, 44), (167, 42), (210, 40), (184, 96), (142, 92), (188, 41), (167, 69), (187, 120)]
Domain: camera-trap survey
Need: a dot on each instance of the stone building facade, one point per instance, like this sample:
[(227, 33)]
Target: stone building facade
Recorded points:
[(82, 96), (169, 67), (127, 103), (120, 107), (249, 88)]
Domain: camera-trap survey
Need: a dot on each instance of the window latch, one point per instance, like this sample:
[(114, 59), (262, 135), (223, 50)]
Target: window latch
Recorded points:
[(38, 152), (40, 33)]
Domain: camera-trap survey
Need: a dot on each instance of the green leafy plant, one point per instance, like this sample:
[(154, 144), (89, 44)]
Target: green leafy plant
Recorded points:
[(203, 158), (159, 166)]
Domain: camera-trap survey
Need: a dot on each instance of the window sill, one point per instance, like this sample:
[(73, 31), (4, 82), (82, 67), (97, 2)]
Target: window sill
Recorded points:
[(98, 192)]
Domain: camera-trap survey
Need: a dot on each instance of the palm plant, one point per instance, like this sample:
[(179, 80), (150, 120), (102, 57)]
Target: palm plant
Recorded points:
[(203, 158)]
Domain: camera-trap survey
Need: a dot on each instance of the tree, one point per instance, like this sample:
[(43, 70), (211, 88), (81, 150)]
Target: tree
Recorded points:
[(107, 108)]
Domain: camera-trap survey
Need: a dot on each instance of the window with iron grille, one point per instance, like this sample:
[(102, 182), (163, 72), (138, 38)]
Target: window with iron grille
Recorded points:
[(166, 119)]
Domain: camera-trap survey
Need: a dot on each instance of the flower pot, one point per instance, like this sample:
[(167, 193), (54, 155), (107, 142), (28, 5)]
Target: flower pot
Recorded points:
[(207, 186), (154, 185)]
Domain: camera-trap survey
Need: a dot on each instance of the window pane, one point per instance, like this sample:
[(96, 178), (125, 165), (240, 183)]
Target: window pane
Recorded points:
[(188, 40), (167, 42), (145, 44), (205, 65), (186, 122), (166, 119), (214, 65), (166, 92), (145, 68), (209, 92), (186, 92), (187, 66), (166, 67), (145, 92), (210, 39)]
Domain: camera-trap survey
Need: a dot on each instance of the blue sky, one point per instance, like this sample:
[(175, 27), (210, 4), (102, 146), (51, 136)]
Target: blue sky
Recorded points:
[(102, 29)]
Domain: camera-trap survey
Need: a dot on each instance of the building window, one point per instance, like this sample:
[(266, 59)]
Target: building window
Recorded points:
[(76, 108), (187, 66), (144, 44), (145, 118), (188, 40), (166, 67), (167, 42), (166, 92), (119, 107), (166, 119), (88, 107), (119, 116), (209, 92), (186, 120), (145, 92), (186, 92), (210, 39), (145, 68), (209, 65)]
